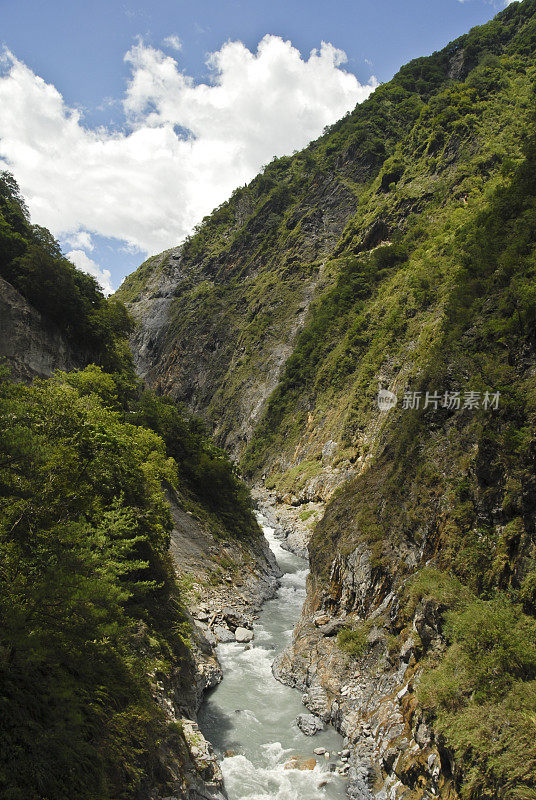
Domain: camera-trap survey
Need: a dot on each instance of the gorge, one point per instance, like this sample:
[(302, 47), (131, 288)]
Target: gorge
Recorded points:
[(395, 254)]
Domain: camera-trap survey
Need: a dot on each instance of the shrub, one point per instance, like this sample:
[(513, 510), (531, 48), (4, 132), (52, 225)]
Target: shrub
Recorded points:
[(354, 641)]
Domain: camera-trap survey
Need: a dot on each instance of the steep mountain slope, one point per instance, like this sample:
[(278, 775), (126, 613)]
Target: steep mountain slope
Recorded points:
[(219, 317), (396, 252), (439, 526)]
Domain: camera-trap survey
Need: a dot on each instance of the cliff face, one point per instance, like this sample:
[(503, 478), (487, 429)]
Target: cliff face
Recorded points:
[(398, 253), (30, 346), (215, 333)]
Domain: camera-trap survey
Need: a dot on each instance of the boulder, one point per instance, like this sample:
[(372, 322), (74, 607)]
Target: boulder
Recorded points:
[(300, 762), (309, 724), (223, 634), (243, 635)]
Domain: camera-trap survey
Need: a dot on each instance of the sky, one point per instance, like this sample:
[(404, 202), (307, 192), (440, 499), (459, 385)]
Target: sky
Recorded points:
[(125, 122)]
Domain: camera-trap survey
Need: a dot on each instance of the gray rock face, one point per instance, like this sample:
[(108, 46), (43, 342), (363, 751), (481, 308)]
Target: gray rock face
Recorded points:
[(31, 347), (243, 635), (309, 724), (371, 699), (214, 607), (332, 628), (222, 634), (207, 780)]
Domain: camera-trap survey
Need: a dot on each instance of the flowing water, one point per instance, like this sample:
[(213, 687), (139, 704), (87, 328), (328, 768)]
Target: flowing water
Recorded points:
[(251, 716)]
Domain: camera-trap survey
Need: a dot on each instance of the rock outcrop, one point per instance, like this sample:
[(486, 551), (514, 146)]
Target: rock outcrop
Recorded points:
[(30, 346), (371, 700)]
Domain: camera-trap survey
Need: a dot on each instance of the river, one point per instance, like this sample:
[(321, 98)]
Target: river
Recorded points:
[(251, 717)]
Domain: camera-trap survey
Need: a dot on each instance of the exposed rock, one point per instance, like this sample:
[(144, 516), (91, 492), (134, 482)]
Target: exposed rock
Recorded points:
[(332, 628), (371, 703), (29, 345), (222, 634), (243, 635), (309, 724), (206, 780), (300, 762)]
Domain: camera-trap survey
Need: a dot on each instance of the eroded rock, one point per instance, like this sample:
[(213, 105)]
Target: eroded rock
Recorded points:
[(243, 635), (309, 724)]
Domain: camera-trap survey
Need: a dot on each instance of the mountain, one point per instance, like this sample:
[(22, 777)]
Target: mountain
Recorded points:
[(396, 252)]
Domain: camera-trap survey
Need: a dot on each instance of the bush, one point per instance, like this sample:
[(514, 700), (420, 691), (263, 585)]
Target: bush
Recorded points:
[(354, 641)]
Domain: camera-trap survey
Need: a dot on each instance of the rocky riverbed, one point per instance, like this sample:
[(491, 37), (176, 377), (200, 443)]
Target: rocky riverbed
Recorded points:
[(268, 746)]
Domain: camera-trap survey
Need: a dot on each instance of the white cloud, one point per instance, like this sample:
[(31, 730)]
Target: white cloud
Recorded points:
[(80, 239), (173, 42), (184, 146), (83, 262)]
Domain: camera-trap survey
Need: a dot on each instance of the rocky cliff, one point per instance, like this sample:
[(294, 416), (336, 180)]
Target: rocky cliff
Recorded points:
[(396, 253), (31, 346)]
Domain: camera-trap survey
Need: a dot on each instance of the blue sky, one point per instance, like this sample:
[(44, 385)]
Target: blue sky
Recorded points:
[(78, 49)]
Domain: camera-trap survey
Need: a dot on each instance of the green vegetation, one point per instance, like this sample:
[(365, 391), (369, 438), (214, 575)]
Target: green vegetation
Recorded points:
[(389, 278), (478, 468), (206, 474), (404, 242), (31, 260), (483, 696), (354, 640), (89, 606), (434, 584)]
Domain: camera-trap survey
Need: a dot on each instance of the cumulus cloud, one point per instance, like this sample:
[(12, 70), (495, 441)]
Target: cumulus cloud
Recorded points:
[(83, 262), (184, 146), (80, 239)]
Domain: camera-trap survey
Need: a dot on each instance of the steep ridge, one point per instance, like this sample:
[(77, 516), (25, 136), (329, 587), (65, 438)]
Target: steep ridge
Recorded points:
[(396, 252)]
